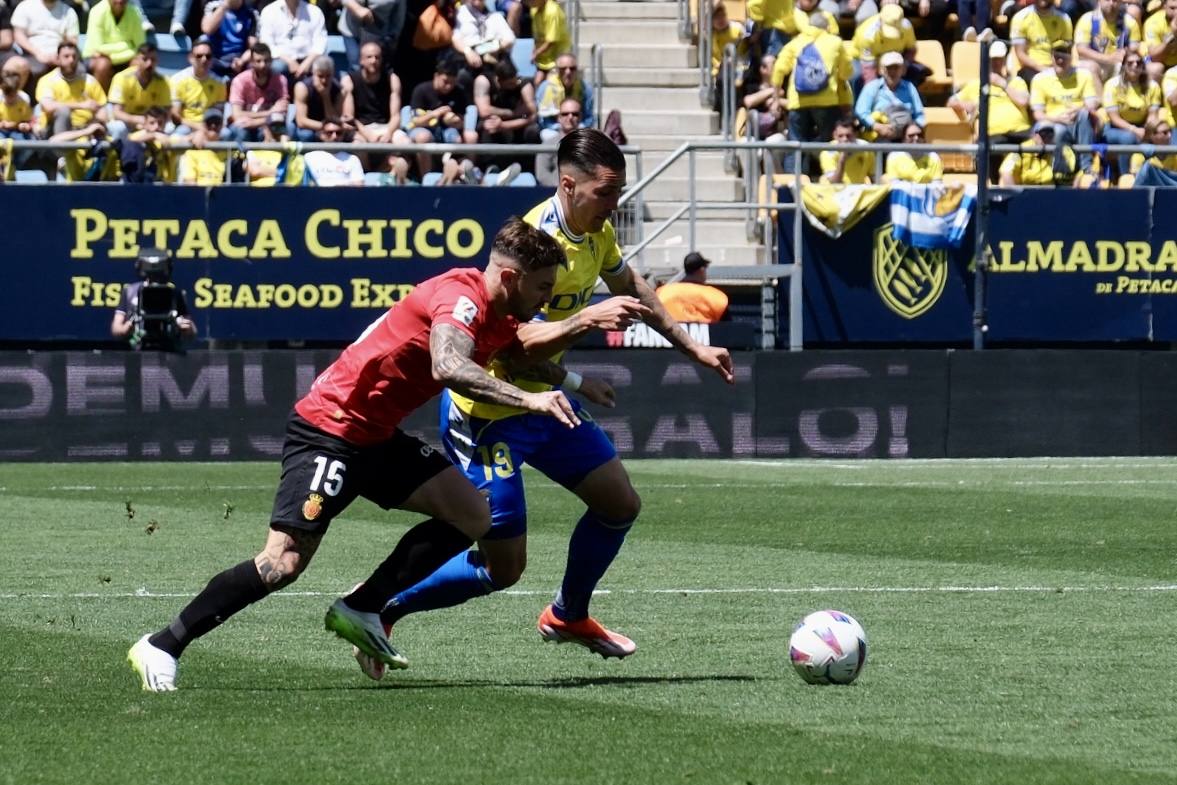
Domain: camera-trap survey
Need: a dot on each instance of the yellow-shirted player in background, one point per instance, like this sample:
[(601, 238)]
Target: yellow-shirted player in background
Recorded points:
[(491, 444)]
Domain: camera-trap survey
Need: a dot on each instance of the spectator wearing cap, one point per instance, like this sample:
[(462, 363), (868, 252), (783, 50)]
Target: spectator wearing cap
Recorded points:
[(257, 94), (114, 31), (1033, 31), (317, 99), (231, 27), (1065, 96), (914, 167), (886, 106), (1102, 37), (886, 31), (296, 33), (689, 298), (1009, 97), (195, 90), (1034, 166), (200, 166)]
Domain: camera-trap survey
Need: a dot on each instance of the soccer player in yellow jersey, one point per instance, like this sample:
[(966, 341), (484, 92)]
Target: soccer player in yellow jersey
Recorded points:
[(1032, 31), (491, 443)]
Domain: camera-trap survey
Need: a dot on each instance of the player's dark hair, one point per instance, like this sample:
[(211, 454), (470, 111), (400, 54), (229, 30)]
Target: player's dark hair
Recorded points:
[(586, 149), (531, 248)]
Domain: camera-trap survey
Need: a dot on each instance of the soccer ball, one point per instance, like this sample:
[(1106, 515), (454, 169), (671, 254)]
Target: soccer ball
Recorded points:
[(828, 647)]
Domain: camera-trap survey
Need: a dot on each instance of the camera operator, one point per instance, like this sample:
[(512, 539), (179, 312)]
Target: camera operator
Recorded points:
[(153, 313)]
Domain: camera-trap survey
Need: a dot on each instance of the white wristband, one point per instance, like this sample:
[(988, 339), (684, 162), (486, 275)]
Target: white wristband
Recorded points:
[(572, 381)]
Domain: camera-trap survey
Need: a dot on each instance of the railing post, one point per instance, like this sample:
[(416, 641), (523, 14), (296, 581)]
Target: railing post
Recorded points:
[(795, 289), (692, 196), (706, 79)]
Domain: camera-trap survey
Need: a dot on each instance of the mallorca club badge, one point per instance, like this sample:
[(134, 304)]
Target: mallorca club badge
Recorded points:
[(312, 507)]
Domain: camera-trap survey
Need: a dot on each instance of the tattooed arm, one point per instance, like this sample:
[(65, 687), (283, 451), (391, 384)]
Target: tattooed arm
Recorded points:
[(452, 352)]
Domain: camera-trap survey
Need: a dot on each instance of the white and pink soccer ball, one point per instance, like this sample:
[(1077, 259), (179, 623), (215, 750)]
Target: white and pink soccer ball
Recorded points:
[(828, 647)]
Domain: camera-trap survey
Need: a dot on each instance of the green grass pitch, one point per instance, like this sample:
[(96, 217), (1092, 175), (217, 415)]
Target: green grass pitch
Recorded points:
[(1021, 618)]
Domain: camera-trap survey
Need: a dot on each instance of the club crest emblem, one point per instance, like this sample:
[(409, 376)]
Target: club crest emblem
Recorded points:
[(312, 507), (909, 280)]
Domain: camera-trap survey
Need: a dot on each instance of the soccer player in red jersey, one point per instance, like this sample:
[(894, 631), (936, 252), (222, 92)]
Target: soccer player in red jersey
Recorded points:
[(343, 441)]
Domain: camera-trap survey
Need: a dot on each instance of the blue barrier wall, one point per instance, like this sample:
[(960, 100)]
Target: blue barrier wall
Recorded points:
[(315, 264), (1068, 265)]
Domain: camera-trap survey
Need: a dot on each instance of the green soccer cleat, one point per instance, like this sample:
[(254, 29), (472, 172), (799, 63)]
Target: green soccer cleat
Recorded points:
[(365, 632)]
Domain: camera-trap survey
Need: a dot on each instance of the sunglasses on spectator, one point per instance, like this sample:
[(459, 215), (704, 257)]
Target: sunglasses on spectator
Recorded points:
[(570, 114), (203, 56), (330, 132), (569, 68)]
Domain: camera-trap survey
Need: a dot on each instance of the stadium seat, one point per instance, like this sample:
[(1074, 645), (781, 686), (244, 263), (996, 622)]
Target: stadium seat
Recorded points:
[(525, 180), (931, 55), (374, 178), (966, 178), (521, 57), (173, 53), (944, 127), (966, 62), (31, 176), (337, 49)]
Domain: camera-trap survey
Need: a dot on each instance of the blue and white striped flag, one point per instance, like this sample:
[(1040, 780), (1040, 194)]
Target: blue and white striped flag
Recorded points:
[(931, 216)]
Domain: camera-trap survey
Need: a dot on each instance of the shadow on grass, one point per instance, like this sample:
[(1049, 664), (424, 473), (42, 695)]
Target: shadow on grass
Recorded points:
[(564, 683)]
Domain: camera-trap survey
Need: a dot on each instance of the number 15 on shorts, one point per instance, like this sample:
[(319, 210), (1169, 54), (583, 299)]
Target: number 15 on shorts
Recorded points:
[(328, 475)]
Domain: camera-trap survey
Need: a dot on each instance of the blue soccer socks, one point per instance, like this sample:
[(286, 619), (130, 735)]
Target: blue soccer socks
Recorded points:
[(462, 578), (594, 545)]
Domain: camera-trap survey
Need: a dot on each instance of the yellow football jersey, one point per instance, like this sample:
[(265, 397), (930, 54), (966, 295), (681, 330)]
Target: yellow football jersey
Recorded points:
[(125, 89), (589, 256)]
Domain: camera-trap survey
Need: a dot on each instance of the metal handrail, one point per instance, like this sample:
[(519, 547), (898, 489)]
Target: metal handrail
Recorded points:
[(684, 20), (706, 78), (597, 57), (575, 15)]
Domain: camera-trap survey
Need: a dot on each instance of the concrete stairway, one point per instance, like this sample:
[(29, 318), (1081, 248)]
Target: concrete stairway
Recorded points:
[(653, 78)]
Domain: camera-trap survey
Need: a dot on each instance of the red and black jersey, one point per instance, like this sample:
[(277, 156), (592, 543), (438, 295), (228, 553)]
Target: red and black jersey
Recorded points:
[(388, 371)]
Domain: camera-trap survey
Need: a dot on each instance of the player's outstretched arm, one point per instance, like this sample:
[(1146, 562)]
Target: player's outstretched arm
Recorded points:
[(591, 388), (452, 353), (544, 339), (716, 358)]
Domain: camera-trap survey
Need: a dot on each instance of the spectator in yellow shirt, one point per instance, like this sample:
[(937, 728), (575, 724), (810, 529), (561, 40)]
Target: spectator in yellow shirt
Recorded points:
[(914, 168), (1032, 31), (774, 23), (1066, 96), (1009, 98), (724, 32), (846, 168), (1169, 94), (1034, 166), (549, 27), (1132, 102), (16, 115), (1160, 39), (1102, 37), (812, 96), (858, 10), (114, 31), (134, 91), (887, 31), (1160, 134), (689, 298), (69, 97)]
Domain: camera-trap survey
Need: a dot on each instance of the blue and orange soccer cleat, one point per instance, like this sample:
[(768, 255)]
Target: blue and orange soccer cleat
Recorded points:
[(587, 632)]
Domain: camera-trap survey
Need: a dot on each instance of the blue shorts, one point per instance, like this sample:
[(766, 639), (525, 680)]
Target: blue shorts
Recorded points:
[(491, 454)]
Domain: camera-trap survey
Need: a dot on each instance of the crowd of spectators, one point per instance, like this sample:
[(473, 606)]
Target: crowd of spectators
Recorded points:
[(417, 71), (1075, 72)]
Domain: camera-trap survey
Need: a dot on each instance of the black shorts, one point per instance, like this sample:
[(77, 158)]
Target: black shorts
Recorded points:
[(322, 474)]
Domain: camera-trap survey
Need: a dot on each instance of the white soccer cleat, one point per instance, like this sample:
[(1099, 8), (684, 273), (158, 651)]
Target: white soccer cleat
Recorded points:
[(156, 668), (365, 631)]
